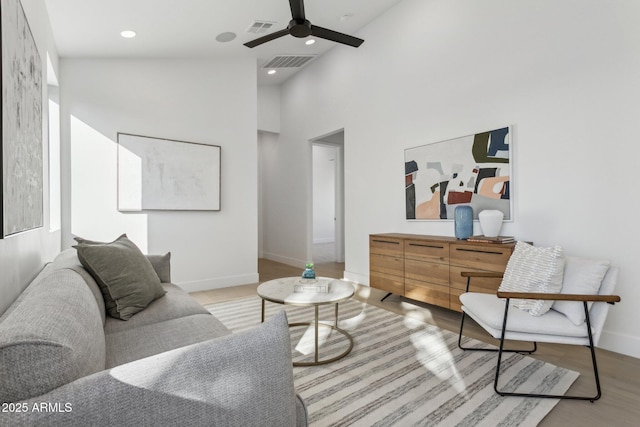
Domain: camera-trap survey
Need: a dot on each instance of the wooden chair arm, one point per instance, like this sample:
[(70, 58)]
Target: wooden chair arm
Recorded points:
[(482, 274), (560, 297)]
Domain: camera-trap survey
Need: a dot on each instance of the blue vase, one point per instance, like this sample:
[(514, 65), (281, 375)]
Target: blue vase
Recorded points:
[(463, 219)]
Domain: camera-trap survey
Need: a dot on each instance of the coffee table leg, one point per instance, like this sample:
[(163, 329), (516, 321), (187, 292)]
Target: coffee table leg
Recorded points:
[(336, 324), (262, 316), (316, 358)]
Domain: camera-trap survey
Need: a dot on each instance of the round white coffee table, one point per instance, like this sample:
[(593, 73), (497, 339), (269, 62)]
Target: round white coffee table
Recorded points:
[(310, 292)]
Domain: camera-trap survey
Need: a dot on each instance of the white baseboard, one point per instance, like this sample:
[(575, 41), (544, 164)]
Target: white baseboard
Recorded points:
[(218, 282), (356, 277), (620, 343), (285, 260)]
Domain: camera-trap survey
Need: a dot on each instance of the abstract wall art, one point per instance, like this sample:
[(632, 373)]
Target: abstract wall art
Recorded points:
[(473, 170), (164, 174), (21, 156)]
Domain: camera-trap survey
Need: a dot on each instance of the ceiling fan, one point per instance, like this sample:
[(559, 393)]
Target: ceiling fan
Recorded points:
[(300, 27)]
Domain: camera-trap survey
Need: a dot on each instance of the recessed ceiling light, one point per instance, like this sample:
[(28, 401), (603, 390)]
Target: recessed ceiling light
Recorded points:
[(226, 37), (128, 34), (271, 72), (309, 42)]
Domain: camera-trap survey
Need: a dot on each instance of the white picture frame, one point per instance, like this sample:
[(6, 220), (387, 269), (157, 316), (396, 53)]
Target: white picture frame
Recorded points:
[(165, 174)]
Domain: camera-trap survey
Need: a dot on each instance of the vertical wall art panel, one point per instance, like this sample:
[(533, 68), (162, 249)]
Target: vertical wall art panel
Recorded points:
[(21, 158), (473, 170), (163, 174)]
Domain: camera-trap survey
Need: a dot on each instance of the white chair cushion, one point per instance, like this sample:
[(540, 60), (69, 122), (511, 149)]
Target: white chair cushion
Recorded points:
[(581, 276), (488, 311), (533, 269)]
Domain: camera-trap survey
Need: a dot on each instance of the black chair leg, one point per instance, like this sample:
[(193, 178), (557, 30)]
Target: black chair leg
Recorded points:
[(385, 297), (549, 396)]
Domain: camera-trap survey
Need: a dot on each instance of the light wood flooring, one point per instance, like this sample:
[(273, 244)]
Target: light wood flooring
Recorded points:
[(619, 374)]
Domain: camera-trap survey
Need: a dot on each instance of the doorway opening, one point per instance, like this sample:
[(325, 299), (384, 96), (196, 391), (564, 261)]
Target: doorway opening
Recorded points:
[(327, 231)]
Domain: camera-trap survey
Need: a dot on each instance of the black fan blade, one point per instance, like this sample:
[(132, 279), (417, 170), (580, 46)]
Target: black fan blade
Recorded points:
[(267, 38), (297, 9), (335, 36)]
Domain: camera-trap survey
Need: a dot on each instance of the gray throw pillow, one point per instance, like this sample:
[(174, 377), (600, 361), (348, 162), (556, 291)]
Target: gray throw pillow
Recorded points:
[(90, 242), (126, 278), (162, 265)]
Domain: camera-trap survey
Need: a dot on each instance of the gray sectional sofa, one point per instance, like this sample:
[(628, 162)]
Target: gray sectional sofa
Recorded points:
[(64, 362)]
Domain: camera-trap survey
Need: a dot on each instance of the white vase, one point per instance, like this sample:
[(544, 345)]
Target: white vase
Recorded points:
[(491, 222)]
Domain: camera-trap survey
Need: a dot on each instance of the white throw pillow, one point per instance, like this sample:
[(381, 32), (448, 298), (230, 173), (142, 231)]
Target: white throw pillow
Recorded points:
[(581, 276), (533, 269)]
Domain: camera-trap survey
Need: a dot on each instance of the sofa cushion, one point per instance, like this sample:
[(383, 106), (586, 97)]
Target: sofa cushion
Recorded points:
[(126, 277), (581, 276), (490, 309), (176, 303), (51, 336), (533, 269), (133, 344)]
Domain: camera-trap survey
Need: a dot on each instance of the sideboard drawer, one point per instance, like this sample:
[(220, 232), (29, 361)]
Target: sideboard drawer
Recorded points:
[(388, 246), (387, 282), (427, 251), (427, 292), (454, 299), (478, 284), (427, 272), (387, 264), (485, 257)]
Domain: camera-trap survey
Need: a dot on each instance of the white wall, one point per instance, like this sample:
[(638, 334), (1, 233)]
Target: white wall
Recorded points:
[(23, 255), (277, 203), (563, 74), (269, 108), (205, 101)]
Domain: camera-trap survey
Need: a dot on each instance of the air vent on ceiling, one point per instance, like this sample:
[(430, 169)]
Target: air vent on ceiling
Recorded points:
[(259, 27), (288, 61)]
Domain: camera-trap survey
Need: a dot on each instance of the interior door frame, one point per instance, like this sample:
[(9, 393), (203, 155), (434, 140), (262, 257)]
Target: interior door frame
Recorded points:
[(339, 230)]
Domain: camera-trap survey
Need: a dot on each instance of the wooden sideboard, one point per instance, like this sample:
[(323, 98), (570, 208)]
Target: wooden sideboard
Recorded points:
[(427, 268)]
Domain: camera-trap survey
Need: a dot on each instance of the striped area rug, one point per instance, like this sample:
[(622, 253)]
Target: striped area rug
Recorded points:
[(402, 371)]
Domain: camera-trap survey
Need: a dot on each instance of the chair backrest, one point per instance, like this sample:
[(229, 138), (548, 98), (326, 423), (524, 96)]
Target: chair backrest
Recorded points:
[(599, 310)]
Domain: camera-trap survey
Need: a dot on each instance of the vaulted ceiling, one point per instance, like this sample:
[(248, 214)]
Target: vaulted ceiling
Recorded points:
[(190, 28)]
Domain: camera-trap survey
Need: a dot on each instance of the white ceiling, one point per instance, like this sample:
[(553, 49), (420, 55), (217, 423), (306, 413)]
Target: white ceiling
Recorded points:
[(188, 28)]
